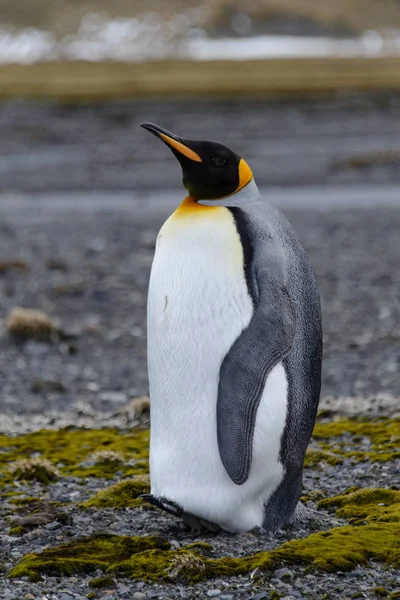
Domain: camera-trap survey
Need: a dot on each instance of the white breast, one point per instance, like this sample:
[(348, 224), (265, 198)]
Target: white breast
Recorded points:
[(198, 305)]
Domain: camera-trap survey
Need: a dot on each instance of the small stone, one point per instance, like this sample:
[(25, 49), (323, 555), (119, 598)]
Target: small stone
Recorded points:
[(36, 348), (53, 525), (283, 574), (29, 597), (228, 597), (74, 496), (260, 596), (113, 397), (66, 597), (139, 596), (123, 589), (213, 593)]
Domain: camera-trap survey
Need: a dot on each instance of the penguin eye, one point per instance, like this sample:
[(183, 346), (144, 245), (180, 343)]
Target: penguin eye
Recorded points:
[(218, 160)]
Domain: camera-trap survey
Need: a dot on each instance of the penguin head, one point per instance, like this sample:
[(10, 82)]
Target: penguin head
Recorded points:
[(210, 170)]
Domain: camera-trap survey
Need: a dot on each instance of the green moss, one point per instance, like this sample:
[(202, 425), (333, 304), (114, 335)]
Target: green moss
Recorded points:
[(384, 435), (313, 495), (102, 582), (92, 595), (366, 505), (78, 452), (26, 500), (73, 451), (315, 456), (274, 595), (381, 592), (120, 495), (17, 531), (395, 595), (342, 548)]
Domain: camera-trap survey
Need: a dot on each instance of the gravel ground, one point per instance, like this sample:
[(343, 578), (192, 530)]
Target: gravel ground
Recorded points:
[(89, 269), (292, 582), (87, 266), (52, 146)]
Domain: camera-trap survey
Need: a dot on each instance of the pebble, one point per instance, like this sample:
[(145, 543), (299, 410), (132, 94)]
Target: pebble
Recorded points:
[(226, 597), (53, 525), (113, 397), (139, 596), (35, 348), (123, 589), (213, 593), (260, 596), (283, 574)]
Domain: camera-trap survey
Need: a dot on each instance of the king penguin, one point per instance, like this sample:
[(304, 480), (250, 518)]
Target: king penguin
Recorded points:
[(234, 349)]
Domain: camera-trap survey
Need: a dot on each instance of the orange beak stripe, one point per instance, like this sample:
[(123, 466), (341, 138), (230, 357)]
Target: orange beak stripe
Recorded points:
[(180, 148)]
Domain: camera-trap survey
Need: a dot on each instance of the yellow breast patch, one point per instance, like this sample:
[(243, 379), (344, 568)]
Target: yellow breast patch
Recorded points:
[(190, 208)]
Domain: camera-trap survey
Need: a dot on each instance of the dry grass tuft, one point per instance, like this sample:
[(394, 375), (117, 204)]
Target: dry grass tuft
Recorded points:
[(13, 265), (30, 324), (140, 407), (108, 458), (184, 565), (34, 469)]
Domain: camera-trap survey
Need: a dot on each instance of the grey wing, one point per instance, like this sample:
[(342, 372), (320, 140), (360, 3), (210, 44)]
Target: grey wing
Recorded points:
[(259, 348)]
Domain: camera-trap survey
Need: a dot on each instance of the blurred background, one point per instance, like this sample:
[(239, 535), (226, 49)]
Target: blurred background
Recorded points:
[(308, 91)]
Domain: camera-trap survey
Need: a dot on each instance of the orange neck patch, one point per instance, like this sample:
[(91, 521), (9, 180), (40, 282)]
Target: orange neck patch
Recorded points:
[(245, 175), (189, 207)]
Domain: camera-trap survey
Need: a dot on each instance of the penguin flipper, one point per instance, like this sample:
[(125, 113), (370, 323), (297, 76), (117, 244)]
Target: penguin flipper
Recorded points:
[(260, 347)]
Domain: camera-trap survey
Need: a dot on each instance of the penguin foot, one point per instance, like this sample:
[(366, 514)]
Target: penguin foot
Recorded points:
[(163, 504), (174, 509), (302, 513)]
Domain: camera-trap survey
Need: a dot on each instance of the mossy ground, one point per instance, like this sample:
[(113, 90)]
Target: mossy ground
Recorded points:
[(120, 495), (381, 437), (73, 452), (148, 558), (78, 452), (372, 534)]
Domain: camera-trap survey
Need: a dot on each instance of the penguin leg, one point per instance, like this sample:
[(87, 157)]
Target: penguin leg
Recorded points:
[(174, 509), (302, 513)]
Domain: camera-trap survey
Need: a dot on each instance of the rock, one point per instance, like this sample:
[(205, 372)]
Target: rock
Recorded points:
[(53, 525), (260, 596), (213, 593), (36, 348), (123, 589), (46, 386), (283, 574), (139, 596), (113, 397)]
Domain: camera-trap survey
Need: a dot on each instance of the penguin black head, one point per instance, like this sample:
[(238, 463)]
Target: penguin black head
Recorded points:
[(210, 170)]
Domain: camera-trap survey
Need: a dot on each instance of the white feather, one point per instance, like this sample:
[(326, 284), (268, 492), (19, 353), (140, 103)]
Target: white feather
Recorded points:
[(198, 305)]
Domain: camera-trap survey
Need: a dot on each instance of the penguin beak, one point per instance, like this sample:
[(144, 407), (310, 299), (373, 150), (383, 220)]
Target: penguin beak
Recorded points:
[(179, 146)]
